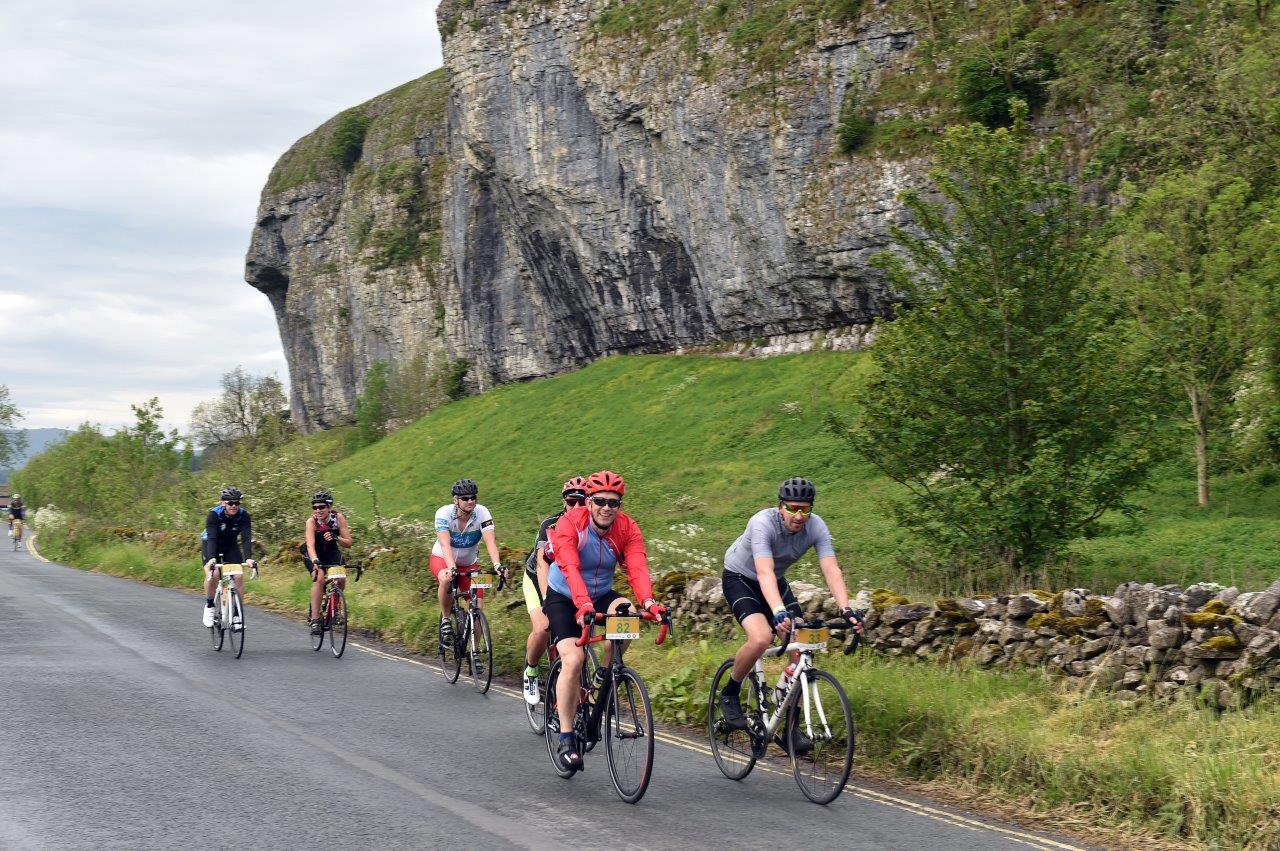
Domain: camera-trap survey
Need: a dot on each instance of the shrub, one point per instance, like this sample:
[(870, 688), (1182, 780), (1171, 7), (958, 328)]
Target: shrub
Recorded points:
[(854, 128), (348, 138)]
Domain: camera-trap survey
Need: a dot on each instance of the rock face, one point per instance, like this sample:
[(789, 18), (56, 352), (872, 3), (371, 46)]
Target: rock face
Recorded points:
[(592, 198)]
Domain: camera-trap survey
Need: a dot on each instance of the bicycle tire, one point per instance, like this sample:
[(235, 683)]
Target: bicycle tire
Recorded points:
[(823, 771), (536, 712), (338, 624), (450, 658), (215, 632), (317, 639), (481, 649), (735, 751), (627, 721), (551, 721), (237, 611)]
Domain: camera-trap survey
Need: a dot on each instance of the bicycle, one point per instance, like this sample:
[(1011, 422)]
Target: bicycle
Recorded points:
[(333, 608), (470, 629), (228, 608), (618, 697), (16, 532), (811, 708)]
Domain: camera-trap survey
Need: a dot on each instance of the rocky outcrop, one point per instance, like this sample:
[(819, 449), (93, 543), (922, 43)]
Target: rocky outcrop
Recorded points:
[(1206, 641)]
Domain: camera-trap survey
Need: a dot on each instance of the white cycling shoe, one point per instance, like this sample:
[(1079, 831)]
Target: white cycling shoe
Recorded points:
[(208, 616), (531, 691)]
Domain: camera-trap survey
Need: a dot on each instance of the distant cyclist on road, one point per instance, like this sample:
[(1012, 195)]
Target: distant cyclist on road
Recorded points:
[(17, 514), (326, 531), (755, 586), (460, 526), (588, 544), (224, 527), (536, 567)]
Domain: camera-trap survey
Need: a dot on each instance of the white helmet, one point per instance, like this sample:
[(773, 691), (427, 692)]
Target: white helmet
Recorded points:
[(17, 496)]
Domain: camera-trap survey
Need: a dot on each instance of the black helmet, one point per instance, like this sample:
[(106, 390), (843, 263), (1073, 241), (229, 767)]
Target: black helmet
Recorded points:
[(322, 496), (232, 493), (465, 487), (797, 489)]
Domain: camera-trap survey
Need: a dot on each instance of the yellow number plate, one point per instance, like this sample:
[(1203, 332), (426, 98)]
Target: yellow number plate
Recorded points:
[(336, 572), (618, 627), (233, 570), (484, 580), (813, 639)]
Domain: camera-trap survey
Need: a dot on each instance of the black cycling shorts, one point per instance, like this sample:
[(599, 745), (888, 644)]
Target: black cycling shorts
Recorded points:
[(562, 613), (745, 597)]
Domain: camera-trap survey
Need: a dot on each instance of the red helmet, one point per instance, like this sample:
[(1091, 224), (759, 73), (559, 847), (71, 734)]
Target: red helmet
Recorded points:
[(606, 480), (577, 483)]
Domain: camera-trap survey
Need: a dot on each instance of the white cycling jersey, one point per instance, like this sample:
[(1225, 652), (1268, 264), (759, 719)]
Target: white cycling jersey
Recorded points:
[(465, 540)]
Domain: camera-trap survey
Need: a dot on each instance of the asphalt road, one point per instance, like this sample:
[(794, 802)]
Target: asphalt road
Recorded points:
[(120, 727)]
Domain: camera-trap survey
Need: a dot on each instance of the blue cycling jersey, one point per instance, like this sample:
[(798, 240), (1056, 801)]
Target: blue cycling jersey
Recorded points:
[(598, 562)]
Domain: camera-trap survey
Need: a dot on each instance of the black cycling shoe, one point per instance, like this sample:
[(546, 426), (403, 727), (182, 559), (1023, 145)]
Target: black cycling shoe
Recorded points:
[(446, 633), (317, 626), (570, 758), (804, 744), (731, 711)]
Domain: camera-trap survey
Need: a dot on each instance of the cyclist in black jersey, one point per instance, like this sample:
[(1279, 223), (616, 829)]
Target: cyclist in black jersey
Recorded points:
[(17, 510), (225, 526), (326, 531), (573, 494)]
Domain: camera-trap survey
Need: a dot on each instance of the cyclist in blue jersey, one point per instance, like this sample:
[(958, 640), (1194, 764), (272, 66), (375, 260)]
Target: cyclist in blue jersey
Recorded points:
[(460, 527)]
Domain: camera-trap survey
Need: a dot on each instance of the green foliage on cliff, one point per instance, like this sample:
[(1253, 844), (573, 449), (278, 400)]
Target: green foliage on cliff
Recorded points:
[(347, 142)]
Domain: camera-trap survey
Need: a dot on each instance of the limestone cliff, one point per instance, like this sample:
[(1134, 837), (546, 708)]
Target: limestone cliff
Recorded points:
[(599, 191)]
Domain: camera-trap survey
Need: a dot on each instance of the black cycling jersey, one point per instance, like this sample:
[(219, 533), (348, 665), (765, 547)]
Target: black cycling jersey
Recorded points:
[(221, 534), (327, 552), (544, 532), (17, 511)]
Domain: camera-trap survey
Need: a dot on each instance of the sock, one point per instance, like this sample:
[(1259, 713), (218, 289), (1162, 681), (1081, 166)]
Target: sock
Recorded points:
[(208, 602), (732, 687), (530, 670), (566, 737)]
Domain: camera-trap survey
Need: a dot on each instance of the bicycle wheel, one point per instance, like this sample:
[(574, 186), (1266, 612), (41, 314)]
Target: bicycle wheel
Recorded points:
[(215, 632), (628, 735), (317, 640), (551, 720), (481, 649), (537, 711), (338, 623), (735, 751), (236, 627), (450, 658), (821, 737)]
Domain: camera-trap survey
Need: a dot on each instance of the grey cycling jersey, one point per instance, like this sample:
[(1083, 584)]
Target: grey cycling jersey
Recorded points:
[(767, 537)]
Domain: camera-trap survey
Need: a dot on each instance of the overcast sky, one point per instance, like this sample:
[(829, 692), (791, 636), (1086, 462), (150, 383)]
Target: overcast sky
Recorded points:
[(135, 138)]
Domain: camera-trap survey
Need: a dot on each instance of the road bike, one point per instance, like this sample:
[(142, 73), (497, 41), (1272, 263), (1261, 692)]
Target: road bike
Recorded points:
[(16, 532), (228, 608), (809, 708), (333, 608), (470, 629), (615, 698)]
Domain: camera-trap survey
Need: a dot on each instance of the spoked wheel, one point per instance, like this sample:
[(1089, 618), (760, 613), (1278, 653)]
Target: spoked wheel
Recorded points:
[(537, 711), (338, 623), (215, 631), (628, 735), (317, 640), (236, 627), (821, 737), (450, 658), (735, 751), (551, 721), (480, 648)]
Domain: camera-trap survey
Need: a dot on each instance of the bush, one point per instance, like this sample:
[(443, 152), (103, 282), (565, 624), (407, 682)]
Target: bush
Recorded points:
[(347, 143), (854, 128)]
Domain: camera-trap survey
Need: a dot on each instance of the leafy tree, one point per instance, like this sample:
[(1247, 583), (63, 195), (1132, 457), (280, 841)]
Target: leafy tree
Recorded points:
[(1197, 261), (12, 443), (373, 408), (251, 408), (1002, 399)]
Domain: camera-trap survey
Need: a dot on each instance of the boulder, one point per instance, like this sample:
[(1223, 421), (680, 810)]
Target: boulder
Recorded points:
[(1117, 610), (1199, 594), (1257, 607), (1163, 637), (896, 616), (1024, 606)]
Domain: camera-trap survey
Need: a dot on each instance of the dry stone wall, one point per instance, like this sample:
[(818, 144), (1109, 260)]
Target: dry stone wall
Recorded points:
[(1218, 644)]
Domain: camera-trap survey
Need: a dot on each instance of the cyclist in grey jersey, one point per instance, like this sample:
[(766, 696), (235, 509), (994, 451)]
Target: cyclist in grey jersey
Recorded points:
[(757, 590)]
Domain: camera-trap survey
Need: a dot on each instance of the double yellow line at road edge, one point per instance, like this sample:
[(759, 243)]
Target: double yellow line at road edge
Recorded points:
[(954, 819)]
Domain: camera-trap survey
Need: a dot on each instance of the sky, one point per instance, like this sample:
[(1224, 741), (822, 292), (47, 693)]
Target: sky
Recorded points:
[(135, 139)]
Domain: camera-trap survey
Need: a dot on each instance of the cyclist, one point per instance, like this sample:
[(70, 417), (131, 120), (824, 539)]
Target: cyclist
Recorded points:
[(326, 531), (587, 545), (757, 591), (17, 513), (572, 494), (460, 526), (225, 526)]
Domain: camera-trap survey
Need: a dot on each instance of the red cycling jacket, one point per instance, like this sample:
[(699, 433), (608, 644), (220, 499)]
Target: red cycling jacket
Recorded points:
[(623, 538)]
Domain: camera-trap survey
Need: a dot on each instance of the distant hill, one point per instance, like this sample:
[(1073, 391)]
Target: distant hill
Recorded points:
[(38, 440)]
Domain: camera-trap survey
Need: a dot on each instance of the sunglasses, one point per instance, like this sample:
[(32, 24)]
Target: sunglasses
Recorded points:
[(797, 509), (467, 498), (575, 500), (231, 502), (318, 507), (605, 502)]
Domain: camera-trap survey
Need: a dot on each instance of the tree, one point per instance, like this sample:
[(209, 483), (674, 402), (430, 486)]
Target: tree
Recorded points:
[(1002, 399), (251, 408), (373, 407), (13, 443), (1198, 262)]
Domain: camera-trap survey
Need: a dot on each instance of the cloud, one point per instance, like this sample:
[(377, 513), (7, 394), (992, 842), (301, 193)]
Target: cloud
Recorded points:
[(136, 142)]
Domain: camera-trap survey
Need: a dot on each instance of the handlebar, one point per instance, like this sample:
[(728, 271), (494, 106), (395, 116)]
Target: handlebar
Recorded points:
[(471, 570), (837, 623), (664, 622)]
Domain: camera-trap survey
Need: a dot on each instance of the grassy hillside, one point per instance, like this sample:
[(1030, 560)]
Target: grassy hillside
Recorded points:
[(704, 440)]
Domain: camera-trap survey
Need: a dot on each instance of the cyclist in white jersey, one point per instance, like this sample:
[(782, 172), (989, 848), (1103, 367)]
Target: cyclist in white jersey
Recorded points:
[(460, 526)]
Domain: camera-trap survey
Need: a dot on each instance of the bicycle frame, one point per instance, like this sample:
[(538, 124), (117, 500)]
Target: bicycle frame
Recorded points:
[(797, 689)]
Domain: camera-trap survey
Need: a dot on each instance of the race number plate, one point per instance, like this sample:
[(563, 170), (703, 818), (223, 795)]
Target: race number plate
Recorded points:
[(812, 639), (484, 580), (622, 628), (336, 572), (233, 570)]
